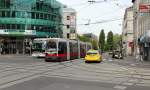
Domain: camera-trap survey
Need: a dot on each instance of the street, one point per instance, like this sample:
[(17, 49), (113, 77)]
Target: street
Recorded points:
[(28, 73)]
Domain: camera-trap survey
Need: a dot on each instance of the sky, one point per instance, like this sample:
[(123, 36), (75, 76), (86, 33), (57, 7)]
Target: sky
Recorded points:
[(99, 12)]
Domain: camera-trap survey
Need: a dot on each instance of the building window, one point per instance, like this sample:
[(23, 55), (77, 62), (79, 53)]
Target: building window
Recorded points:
[(3, 13), (37, 15), (68, 17), (13, 14), (8, 14), (45, 16), (33, 15), (41, 15), (68, 26), (68, 35)]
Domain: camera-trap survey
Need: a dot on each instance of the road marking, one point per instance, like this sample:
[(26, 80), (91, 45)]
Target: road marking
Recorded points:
[(133, 64), (144, 85), (18, 81), (110, 60), (133, 81), (120, 87), (128, 84)]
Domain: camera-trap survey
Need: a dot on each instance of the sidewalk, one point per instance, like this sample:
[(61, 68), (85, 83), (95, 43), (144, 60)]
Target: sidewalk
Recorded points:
[(130, 58), (132, 61)]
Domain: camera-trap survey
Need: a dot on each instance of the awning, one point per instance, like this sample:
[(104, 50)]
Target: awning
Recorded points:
[(145, 38)]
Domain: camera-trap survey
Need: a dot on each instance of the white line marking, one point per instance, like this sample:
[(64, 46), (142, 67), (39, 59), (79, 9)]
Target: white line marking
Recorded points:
[(120, 87)]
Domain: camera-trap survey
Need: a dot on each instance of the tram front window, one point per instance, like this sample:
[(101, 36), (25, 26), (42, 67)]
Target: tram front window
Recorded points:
[(51, 48)]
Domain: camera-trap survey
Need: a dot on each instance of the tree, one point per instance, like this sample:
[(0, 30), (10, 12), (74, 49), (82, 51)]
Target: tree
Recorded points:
[(106, 47), (102, 40), (110, 40), (94, 44), (116, 41), (84, 39)]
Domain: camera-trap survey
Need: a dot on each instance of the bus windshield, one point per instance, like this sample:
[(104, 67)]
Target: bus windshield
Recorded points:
[(38, 47)]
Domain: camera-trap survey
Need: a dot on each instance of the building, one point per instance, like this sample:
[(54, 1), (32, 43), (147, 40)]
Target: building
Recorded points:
[(142, 27), (23, 20), (127, 34), (69, 23)]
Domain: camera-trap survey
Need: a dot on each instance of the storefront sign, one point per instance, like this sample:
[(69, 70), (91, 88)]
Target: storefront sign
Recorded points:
[(143, 8), (3, 32), (18, 32), (131, 44)]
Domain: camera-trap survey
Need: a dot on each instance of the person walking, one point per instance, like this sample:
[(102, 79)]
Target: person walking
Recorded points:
[(0, 49), (139, 55)]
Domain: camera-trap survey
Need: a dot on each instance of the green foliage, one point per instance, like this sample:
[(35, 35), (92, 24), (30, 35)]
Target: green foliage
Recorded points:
[(102, 40), (94, 44), (116, 41), (106, 47), (110, 40), (84, 39)]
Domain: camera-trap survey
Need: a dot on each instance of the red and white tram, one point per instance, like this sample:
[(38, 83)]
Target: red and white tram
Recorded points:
[(58, 49)]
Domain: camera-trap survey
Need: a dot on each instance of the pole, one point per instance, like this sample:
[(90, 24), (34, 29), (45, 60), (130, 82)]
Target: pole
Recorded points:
[(30, 43)]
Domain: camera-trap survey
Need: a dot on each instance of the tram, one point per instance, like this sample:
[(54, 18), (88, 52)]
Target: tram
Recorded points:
[(59, 49)]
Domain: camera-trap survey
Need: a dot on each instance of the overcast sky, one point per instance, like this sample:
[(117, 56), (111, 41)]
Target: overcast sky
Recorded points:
[(111, 9)]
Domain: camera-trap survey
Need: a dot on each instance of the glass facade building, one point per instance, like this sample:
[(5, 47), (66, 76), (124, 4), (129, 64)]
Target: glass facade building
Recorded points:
[(23, 20)]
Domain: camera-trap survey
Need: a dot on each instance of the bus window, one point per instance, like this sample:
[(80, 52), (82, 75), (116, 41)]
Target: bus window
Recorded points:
[(37, 47)]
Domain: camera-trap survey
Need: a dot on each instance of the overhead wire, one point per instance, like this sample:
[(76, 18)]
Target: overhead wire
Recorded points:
[(102, 21), (85, 4), (108, 13)]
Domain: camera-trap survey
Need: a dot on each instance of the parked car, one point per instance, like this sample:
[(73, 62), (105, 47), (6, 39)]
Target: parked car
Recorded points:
[(110, 53), (117, 54)]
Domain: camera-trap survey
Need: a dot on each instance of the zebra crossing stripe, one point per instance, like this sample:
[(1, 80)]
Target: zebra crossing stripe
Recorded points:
[(120, 87)]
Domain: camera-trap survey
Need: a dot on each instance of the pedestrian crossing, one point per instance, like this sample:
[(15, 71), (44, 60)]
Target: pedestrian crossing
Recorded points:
[(121, 76)]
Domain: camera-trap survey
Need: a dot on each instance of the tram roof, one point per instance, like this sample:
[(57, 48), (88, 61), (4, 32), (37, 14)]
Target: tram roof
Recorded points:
[(60, 39)]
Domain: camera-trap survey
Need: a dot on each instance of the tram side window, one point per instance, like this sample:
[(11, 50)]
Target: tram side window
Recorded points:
[(82, 48), (75, 48), (71, 47), (62, 48)]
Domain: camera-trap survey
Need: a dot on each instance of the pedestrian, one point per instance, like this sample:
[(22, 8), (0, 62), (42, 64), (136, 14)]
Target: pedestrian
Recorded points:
[(0, 50), (141, 54)]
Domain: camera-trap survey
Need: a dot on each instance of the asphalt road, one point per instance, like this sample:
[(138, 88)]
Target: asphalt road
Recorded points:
[(27, 73)]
